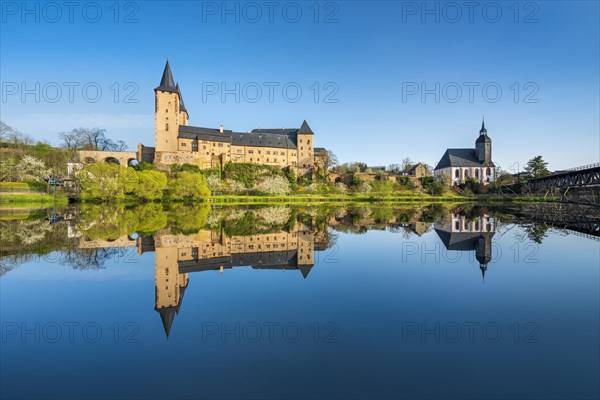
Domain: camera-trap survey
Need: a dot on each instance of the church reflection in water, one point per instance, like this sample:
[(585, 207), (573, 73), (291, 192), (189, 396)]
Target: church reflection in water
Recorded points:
[(459, 233)]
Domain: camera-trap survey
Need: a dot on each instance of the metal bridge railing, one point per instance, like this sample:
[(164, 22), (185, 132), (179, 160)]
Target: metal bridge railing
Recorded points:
[(589, 166)]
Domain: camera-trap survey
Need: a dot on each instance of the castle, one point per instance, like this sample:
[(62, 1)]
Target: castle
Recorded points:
[(176, 142)]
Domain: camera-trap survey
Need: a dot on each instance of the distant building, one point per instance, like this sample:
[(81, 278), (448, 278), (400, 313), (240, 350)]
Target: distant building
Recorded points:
[(418, 170), (460, 164)]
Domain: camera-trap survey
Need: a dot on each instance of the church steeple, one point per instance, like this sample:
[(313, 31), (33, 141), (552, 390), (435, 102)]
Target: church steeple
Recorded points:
[(483, 146)]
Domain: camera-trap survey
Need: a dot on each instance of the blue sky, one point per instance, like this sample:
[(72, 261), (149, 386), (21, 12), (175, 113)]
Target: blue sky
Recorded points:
[(369, 61)]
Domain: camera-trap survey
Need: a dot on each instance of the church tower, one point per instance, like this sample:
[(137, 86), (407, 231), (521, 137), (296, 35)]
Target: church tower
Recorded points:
[(166, 113), (483, 146)]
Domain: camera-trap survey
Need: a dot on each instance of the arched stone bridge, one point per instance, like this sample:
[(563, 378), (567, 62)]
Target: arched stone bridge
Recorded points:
[(119, 157)]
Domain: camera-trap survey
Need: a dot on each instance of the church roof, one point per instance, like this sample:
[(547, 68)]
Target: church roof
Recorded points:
[(461, 158), (167, 83)]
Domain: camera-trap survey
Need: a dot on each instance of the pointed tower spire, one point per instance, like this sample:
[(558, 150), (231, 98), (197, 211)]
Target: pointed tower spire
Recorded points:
[(167, 315), (483, 130), (483, 268), (305, 129), (181, 104), (167, 83)]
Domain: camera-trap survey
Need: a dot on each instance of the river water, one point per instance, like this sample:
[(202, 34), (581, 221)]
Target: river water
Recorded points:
[(429, 301)]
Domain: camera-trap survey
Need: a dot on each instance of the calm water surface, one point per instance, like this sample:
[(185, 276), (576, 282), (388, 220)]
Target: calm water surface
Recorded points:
[(433, 301)]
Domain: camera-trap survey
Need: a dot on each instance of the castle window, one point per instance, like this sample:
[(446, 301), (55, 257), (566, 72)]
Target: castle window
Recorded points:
[(300, 140), (183, 144), (250, 151), (220, 144), (259, 152), (268, 152), (204, 147), (166, 127), (239, 151), (308, 141)]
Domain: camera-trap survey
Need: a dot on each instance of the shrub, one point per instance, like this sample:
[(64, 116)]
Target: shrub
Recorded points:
[(404, 182), (274, 185)]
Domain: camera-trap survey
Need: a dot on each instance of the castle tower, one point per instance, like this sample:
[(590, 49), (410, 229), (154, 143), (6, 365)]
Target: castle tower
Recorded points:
[(305, 249), (166, 113), (306, 149), (183, 113), (170, 285), (483, 146)]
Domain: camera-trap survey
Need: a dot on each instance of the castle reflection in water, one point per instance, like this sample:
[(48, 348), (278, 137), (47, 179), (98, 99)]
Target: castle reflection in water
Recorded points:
[(177, 255)]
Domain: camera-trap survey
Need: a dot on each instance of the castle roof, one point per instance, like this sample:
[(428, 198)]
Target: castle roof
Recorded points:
[(181, 104), (284, 138), (262, 140), (461, 158), (305, 129), (285, 259), (167, 83)]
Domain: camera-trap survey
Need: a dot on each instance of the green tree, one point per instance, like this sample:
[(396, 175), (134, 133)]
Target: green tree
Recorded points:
[(537, 167), (105, 182), (150, 184), (189, 186)]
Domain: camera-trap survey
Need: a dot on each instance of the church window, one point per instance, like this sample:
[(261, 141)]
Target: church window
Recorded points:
[(457, 173), (489, 171), (477, 173), (457, 225)]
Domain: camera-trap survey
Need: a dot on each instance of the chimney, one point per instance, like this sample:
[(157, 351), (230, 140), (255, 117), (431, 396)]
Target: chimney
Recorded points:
[(221, 129)]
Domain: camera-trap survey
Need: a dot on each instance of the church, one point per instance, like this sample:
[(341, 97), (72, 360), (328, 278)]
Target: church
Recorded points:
[(176, 142), (460, 164)]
